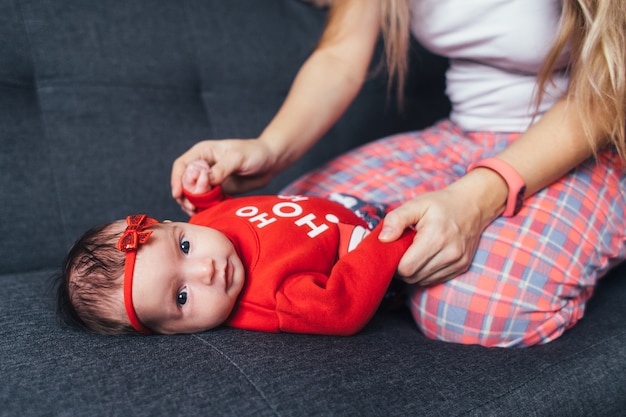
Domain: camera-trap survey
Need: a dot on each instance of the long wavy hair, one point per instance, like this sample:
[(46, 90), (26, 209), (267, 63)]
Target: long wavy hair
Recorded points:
[(395, 26), (595, 32)]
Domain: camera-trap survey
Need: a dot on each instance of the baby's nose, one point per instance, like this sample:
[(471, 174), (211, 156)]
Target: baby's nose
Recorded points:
[(203, 271)]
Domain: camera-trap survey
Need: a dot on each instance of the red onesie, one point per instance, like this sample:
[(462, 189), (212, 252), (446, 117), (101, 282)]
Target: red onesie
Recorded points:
[(302, 275)]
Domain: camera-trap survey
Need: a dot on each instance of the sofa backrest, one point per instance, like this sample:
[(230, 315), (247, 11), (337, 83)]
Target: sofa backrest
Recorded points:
[(97, 99)]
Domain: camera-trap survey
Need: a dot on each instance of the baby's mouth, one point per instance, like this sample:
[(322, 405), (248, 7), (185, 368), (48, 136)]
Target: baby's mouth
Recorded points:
[(228, 276)]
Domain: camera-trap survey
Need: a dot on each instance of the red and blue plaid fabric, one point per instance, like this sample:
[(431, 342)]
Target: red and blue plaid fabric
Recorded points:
[(533, 273)]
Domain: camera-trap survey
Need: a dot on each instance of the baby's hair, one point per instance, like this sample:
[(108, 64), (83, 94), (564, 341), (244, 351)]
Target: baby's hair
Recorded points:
[(90, 287)]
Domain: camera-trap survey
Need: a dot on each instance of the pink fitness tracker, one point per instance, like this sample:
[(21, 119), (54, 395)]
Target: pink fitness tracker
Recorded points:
[(513, 179)]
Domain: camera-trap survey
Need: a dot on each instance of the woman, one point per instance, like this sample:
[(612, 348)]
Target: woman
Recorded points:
[(519, 196)]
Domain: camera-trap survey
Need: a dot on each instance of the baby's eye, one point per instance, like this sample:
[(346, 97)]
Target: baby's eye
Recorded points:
[(184, 245), (181, 297)]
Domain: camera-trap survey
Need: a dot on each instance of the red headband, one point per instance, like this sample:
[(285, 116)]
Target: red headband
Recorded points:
[(134, 235)]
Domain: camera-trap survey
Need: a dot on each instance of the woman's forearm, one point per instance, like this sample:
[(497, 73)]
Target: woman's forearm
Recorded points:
[(550, 148), (316, 100), (327, 83), (543, 154)]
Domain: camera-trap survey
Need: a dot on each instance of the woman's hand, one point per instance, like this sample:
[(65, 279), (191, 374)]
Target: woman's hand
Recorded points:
[(449, 224), (239, 165)]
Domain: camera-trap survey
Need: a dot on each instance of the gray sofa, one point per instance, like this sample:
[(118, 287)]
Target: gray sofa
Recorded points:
[(96, 101)]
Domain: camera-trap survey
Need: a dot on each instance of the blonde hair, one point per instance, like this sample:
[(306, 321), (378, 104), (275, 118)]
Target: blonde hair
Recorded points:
[(595, 32), (396, 16)]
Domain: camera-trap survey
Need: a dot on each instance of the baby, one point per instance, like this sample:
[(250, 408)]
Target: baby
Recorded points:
[(267, 263)]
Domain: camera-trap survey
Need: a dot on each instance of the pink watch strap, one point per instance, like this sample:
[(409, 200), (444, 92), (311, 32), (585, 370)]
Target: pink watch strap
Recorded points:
[(513, 179)]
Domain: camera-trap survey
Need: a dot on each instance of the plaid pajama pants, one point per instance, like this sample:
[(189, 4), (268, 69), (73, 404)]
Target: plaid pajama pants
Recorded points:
[(533, 273)]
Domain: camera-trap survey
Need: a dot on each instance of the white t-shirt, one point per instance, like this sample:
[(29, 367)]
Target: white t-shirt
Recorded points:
[(496, 48)]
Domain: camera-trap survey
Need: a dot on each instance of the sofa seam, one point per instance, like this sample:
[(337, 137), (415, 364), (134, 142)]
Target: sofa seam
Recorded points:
[(44, 124), (241, 371), (200, 84), (15, 85), (109, 85)]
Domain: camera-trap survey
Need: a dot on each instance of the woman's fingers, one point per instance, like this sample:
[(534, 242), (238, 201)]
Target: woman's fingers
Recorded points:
[(447, 235)]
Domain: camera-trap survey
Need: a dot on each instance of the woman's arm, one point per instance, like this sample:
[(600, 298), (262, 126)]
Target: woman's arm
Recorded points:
[(550, 148), (327, 82), (324, 87), (449, 222)]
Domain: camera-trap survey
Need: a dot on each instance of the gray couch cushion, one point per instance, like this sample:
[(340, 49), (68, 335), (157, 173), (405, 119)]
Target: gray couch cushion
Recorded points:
[(389, 369)]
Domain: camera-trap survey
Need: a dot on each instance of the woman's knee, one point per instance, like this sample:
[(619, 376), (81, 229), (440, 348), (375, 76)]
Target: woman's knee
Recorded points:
[(458, 313)]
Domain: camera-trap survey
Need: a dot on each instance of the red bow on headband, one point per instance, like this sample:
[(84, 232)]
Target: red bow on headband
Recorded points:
[(135, 235)]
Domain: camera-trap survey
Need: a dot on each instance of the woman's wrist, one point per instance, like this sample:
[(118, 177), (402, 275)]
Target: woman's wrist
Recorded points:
[(514, 181), (284, 148), (275, 151), (487, 190)]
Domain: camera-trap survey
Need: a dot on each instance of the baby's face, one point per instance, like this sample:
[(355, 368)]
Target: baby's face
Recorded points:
[(187, 279)]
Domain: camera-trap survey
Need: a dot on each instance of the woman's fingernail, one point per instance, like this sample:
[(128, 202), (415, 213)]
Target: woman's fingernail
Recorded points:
[(385, 233)]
